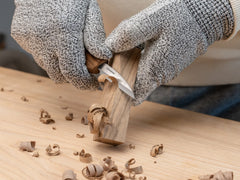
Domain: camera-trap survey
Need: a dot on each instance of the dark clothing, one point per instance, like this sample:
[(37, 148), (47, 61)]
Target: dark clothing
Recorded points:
[(222, 101)]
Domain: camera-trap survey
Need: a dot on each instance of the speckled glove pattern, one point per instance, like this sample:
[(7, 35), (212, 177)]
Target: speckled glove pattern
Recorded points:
[(56, 33), (175, 33)]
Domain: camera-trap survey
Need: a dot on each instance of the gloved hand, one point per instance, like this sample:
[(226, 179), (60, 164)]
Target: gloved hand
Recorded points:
[(175, 33), (56, 33)]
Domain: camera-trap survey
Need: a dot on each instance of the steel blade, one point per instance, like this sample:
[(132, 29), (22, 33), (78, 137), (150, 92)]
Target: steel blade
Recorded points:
[(122, 84)]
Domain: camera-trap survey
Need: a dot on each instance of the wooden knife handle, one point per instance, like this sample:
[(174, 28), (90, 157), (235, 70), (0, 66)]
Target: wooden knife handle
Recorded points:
[(93, 63)]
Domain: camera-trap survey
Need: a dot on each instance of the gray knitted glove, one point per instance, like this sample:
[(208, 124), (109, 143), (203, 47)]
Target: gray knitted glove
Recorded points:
[(56, 33), (175, 33)]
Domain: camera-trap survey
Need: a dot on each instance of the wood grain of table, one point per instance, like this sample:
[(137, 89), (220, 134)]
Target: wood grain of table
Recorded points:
[(194, 144)]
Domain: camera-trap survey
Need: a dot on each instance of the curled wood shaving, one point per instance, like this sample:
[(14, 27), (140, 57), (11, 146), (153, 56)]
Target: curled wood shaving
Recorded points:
[(108, 164), (97, 117), (80, 135), (24, 99), (45, 117), (69, 117), (84, 120), (69, 175), (131, 146), (35, 154), (54, 150), (85, 157), (228, 175), (114, 175), (103, 77), (156, 150), (28, 146), (142, 178), (75, 153), (135, 170), (93, 172)]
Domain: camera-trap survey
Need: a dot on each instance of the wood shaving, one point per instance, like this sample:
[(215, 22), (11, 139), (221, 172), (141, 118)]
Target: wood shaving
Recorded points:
[(10, 90), (80, 135), (45, 117), (84, 120), (103, 77), (156, 150), (131, 146), (28, 146), (114, 175), (228, 175), (24, 99), (54, 128), (2, 89), (108, 164), (69, 117), (75, 153), (35, 154), (142, 178), (38, 80), (65, 107), (93, 172), (69, 175), (54, 150), (135, 170), (85, 157), (97, 117)]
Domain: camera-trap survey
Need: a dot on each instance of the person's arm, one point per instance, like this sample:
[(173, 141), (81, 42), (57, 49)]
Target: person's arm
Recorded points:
[(175, 33), (236, 11), (57, 33)]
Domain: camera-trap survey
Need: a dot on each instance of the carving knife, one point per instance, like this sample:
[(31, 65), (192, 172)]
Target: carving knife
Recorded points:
[(99, 66)]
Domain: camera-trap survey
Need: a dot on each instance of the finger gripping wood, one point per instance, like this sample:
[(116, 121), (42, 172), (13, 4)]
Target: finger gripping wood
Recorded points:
[(93, 63), (116, 102)]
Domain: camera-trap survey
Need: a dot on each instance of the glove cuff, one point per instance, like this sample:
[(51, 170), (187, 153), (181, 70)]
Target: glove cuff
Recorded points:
[(215, 18)]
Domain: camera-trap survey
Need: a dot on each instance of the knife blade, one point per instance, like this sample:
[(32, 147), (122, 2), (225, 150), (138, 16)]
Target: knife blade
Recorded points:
[(98, 67)]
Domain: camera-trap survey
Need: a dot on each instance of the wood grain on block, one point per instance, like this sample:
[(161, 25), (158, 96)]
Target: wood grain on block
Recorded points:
[(116, 102)]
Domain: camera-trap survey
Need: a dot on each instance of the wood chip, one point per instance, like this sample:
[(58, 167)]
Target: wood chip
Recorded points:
[(135, 170), (97, 117), (28, 146), (45, 117), (131, 146), (114, 175), (80, 135), (53, 151), (38, 80), (84, 120), (85, 157), (24, 99), (35, 154), (228, 175), (69, 117), (54, 128), (2, 89), (142, 178), (69, 175), (75, 153), (156, 150), (93, 171), (108, 164)]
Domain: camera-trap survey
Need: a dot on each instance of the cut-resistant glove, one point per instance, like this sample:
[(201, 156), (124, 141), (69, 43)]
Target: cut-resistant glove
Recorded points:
[(175, 33), (57, 33)]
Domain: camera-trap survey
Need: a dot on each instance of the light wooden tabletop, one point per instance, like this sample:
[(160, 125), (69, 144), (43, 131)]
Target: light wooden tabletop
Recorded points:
[(194, 144)]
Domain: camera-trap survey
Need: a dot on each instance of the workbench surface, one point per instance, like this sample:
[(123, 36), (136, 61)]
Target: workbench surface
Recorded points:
[(194, 144)]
